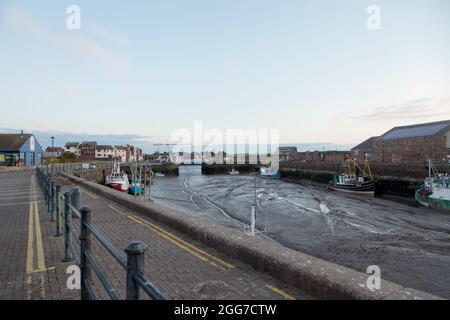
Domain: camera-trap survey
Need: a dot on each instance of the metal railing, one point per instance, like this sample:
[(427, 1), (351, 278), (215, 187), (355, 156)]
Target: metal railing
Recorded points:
[(53, 168), (65, 207)]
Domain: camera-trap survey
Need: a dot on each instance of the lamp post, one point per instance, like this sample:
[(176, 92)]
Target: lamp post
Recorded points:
[(53, 150)]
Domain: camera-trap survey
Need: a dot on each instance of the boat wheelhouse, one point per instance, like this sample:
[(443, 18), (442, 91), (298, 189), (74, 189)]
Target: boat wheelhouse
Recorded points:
[(351, 178), (435, 191), (118, 179)]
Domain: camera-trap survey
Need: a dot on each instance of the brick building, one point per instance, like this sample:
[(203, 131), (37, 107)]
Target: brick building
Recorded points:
[(415, 143), (51, 152), (288, 153), (87, 150), (324, 156), (364, 150)]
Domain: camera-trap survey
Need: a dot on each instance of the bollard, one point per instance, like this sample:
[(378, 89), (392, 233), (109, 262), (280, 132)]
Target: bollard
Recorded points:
[(52, 200), (135, 251), (75, 199), (85, 246), (68, 256), (58, 211)]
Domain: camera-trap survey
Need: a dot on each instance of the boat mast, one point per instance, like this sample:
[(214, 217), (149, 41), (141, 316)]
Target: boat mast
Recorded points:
[(429, 169)]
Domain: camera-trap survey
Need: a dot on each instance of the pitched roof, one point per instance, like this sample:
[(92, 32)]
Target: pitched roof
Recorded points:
[(71, 144), (54, 149), (13, 142), (88, 143), (287, 149), (105, 147), (367, 144), (417, 130)]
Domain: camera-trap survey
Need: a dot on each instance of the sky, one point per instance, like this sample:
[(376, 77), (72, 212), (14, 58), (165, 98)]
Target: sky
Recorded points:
[(143, 69)]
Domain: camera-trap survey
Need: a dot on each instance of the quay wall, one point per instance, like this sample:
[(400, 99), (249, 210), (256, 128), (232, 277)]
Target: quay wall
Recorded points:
[(391, 179), (313, 275)]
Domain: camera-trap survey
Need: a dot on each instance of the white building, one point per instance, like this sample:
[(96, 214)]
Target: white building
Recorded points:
[(72, 147), (104, 152), (121, 152)]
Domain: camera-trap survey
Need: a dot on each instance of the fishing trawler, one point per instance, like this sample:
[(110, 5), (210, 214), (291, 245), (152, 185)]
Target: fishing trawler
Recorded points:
[(435, 192), (352, 179), (118, 179)]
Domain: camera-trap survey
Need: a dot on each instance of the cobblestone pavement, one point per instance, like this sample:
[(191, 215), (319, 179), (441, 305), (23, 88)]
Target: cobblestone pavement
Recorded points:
[(181, 268)]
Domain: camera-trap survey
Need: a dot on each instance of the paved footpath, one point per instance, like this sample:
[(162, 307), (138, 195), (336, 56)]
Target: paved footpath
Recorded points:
[(181, 268)]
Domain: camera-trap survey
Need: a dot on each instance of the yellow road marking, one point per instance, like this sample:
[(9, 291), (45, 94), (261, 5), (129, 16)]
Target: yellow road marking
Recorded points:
[(280, 292), (92, 195), (177, 241), (29, 263), (117, 210), (44, 270), (171, 240), (40, 249), (220, 261), (34, 228)]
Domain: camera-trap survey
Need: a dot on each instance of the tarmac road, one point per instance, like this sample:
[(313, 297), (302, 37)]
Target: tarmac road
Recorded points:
[(411, 245)]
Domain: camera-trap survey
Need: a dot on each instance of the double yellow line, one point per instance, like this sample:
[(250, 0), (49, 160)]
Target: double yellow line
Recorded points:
[(34, 232), (90, 194), (202, 255), (193, 250)]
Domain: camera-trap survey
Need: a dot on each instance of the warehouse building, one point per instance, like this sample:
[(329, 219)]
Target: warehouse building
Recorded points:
[(414, 143)]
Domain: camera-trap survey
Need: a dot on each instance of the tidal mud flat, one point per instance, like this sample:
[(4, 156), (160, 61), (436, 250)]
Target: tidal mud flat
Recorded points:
[(410, 244)]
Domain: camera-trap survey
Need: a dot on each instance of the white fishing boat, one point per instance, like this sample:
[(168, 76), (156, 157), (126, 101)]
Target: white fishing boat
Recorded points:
[(118, 179), (233, 172), (435, 192)]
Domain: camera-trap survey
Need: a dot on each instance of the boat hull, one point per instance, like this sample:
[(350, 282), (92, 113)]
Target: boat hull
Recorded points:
[(117, 186), (367, 189), (430, 202)]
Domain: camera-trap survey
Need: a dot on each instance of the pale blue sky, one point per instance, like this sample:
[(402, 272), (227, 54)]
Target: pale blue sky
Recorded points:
[(309, 68)]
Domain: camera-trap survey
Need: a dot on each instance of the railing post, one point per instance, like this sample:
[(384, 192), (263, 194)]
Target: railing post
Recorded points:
[(68, 255), (135, 251), (45, 189), (58, 218), (85, 247), (75, 198), (52, 200), (49, 194)]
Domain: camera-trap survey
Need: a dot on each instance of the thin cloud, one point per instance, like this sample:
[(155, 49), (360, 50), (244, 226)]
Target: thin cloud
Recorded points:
[(420, 109), (83, 46), (43, 136), (102, 33)]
